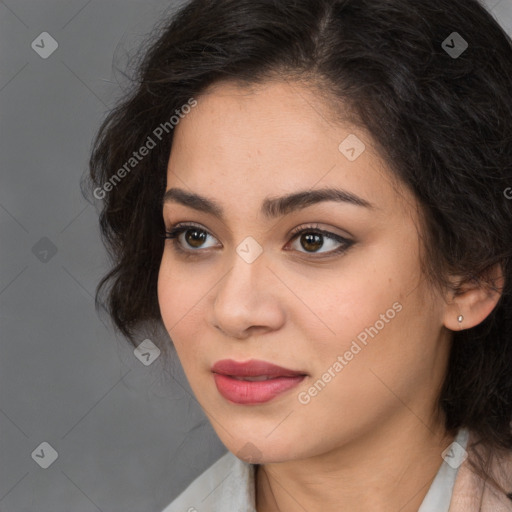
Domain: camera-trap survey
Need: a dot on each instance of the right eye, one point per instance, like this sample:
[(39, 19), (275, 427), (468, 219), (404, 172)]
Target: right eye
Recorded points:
[(194, 237)]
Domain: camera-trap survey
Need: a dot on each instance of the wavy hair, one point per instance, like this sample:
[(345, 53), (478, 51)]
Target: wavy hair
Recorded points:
[(441, 121)]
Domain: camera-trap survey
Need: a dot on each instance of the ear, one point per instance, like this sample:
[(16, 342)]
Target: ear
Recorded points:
[(473, 301)]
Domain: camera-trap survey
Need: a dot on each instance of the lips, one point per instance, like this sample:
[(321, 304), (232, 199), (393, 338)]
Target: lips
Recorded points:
[(253, 382), (253, 368)]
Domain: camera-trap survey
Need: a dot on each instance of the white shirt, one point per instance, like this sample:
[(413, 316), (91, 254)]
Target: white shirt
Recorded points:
[(229, 485)]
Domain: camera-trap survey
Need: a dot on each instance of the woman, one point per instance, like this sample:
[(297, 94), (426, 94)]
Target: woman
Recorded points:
[(311, 197)]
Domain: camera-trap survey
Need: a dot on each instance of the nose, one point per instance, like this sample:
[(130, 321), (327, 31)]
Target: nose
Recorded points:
[(247, 300)]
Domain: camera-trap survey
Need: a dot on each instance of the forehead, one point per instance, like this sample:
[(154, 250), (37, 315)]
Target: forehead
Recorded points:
[(275, 138)]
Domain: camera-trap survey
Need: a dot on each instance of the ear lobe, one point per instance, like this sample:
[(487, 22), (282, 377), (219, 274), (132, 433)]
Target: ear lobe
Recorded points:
[(474, 301)]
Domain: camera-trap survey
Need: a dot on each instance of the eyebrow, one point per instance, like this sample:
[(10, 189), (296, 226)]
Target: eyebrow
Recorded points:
[(271, 207)]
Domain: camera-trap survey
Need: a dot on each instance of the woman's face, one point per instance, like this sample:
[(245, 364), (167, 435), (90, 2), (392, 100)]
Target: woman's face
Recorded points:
[(356, 317)]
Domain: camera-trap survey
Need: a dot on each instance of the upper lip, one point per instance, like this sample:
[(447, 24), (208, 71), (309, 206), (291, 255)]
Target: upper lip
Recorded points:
[(252, 368)]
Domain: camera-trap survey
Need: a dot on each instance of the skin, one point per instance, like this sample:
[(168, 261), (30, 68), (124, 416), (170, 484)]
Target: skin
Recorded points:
[(371, 439)]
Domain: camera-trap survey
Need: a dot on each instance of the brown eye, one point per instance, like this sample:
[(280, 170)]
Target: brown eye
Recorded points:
[(195, 237), (311, 241)]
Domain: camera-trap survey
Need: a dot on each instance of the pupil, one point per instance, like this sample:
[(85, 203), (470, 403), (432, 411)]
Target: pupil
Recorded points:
[(310, 239), (197, 237)]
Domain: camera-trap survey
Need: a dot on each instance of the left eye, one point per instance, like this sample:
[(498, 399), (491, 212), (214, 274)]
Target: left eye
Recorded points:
[(312, 241), (312, 238)]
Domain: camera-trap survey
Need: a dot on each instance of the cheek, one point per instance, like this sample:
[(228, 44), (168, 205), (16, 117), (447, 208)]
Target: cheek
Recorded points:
[(173, 298), (386, 347), (176, 288), (342, 304), (166, 292), (380, 280), (182, 302)]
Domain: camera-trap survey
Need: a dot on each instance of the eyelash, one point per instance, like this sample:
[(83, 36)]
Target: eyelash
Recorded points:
[(175, 231)]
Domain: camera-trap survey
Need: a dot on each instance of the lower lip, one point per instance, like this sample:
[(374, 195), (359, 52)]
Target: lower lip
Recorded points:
[(254, 392)]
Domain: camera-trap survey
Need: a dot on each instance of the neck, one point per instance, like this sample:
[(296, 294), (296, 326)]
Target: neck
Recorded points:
[(387, 469)]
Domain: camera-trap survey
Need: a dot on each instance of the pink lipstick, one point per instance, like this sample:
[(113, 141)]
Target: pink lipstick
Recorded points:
[(253, 381)]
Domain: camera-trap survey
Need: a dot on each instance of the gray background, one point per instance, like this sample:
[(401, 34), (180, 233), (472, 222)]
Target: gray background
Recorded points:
[(129, 437)]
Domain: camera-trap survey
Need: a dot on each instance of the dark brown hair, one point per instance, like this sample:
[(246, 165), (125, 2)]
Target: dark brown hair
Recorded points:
[(443, 123)]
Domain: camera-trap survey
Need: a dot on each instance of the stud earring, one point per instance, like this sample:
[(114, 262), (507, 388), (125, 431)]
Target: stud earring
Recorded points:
[(460, 318)]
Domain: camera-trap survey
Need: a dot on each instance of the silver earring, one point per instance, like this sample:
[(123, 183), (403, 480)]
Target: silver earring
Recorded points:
[(460, 318)]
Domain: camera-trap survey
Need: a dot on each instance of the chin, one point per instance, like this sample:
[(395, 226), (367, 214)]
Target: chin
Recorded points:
[(261, 451)]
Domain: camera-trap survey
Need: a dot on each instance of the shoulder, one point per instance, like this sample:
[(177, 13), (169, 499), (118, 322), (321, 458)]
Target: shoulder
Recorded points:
[(474, 491), (228, 484)]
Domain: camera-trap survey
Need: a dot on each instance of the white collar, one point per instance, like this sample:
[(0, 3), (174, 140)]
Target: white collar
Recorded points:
[(440, 493), (229, 484)]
